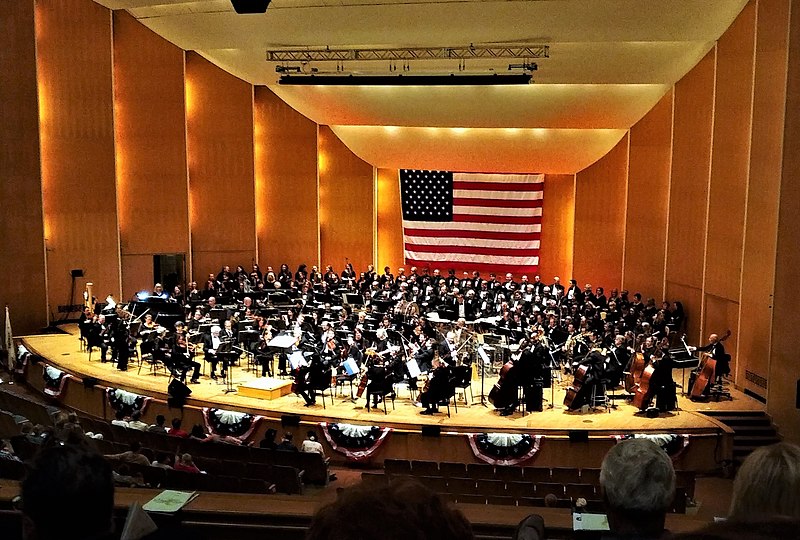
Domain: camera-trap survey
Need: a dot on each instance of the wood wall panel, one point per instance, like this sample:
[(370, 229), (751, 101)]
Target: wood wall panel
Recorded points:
[(346, 205), (763, 195), (691, 155), (600, 192), (558, 227), (729, 177), (21, 225), (286, 183), (219, 131), (389, 221), (150, 128), (77, 145), (648, 201), (784, 369)]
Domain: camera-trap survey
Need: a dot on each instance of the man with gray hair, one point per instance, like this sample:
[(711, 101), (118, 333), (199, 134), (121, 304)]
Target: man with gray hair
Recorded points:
[(638, 484)]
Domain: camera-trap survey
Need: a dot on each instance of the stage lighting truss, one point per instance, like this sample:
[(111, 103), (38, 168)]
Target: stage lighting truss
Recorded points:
[(418, 53)]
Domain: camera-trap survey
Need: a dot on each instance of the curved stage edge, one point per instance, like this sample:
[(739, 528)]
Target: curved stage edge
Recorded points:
[(710, 441)]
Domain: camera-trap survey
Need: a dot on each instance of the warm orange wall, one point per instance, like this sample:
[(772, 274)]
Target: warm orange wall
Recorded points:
[(784, 372), (766, 146), (390, 220), (558, 227), (286, 183), (648, 201), (219, 128), (21, 229), (346, 205), (150, 126), (600, 220), (729, 176), (77, 145), (691, 154)]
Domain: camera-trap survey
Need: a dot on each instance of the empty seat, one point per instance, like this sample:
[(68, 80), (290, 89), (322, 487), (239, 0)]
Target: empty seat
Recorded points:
[(509, 474), (543, 489), (480, 471), (590, 476), (492, 487), (397, 466), (461, 485), (520, 489), (575, 491), (425, 468), (373, 479), (453, 470), (565, 475), (501, 500), (530, 501), (536, 474), (435, 483), (255, 485), (470, 499)]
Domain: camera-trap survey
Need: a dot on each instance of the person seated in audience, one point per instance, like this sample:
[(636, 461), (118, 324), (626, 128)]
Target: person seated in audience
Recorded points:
[(766, 498), (7, 451), (134, 455), (399, 511), (119, 419), (268, 441), (136, 421), (124, 478), (286, 444), (312, 445), (197, 433), (184, 462), (163, 461), (158, 427), (176, 430), (638, 486), (68, 493)]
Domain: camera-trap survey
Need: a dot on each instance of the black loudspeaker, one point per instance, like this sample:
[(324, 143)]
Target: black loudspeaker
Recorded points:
[(578, 435), (797, 395), (250, 6), (431, 431), (78, 272), (89, 382), (178, 390), (290, 420)]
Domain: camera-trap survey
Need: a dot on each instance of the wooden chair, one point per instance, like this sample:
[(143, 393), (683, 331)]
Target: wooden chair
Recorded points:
[(480, 471), (509, 474), (576, 491), (397, 467), (590, 476), (565, 475), (536, 474), (425, 468), (545, 488), (453, 470)]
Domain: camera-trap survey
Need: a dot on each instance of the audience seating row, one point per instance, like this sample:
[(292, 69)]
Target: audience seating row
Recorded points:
[(517, 483), (35, 412)]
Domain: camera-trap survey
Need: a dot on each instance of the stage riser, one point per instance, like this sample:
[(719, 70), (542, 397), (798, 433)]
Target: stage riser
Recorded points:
[(703, 454)]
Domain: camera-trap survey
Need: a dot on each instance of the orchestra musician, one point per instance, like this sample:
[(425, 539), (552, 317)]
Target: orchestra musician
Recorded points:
[(213, 345), (716, 350), (439, 386), (183, 355)]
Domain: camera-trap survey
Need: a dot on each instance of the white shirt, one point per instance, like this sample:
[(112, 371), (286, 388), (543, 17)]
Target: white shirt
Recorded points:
[(311, 447), (138, 424)]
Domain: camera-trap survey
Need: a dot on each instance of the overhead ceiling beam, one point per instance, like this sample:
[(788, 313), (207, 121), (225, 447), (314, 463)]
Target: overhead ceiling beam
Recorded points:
[(419, 53)]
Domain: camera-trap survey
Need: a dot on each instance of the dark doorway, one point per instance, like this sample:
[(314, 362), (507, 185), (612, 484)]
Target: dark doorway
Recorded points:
[(169, 270)]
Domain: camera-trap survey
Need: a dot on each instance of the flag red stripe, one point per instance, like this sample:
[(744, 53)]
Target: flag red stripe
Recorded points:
[(510, 220), (464, 233), (474, 250), (483, 268), (497, 186), (497, 203)]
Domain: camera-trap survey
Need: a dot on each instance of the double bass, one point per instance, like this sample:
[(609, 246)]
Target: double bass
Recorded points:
[(706, 371), (644, 392), (634, 374), (504, 391), (576, 394)]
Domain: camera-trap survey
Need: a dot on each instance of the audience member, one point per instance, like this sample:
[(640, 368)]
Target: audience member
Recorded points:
[(198, 433), (268, 441), (68, 494), (766, 498), (399, 511), (184, 462), (119, 419), (311, 444), (134, 455), (7, 451), (158, 427), (163, 461), (176, 430), (136, 422), (638, 486), (286, 444)]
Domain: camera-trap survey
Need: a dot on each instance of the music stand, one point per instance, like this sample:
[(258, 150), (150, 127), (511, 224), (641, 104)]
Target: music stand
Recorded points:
[(486, 362)]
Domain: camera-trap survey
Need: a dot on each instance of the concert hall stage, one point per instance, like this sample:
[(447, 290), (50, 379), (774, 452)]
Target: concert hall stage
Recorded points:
[(711, 440)]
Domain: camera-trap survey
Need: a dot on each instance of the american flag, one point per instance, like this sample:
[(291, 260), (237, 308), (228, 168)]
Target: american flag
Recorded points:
[(485, 222)]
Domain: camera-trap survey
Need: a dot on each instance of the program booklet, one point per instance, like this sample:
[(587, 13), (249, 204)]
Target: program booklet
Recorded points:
[(169, 502)]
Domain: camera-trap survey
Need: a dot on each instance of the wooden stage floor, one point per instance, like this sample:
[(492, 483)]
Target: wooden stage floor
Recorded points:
[(63, 351)]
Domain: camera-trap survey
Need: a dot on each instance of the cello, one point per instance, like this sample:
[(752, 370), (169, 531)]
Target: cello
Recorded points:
[(576, 393)]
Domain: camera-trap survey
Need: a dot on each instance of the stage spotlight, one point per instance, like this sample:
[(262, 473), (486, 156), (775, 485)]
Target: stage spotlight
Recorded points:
[(250, 6)]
